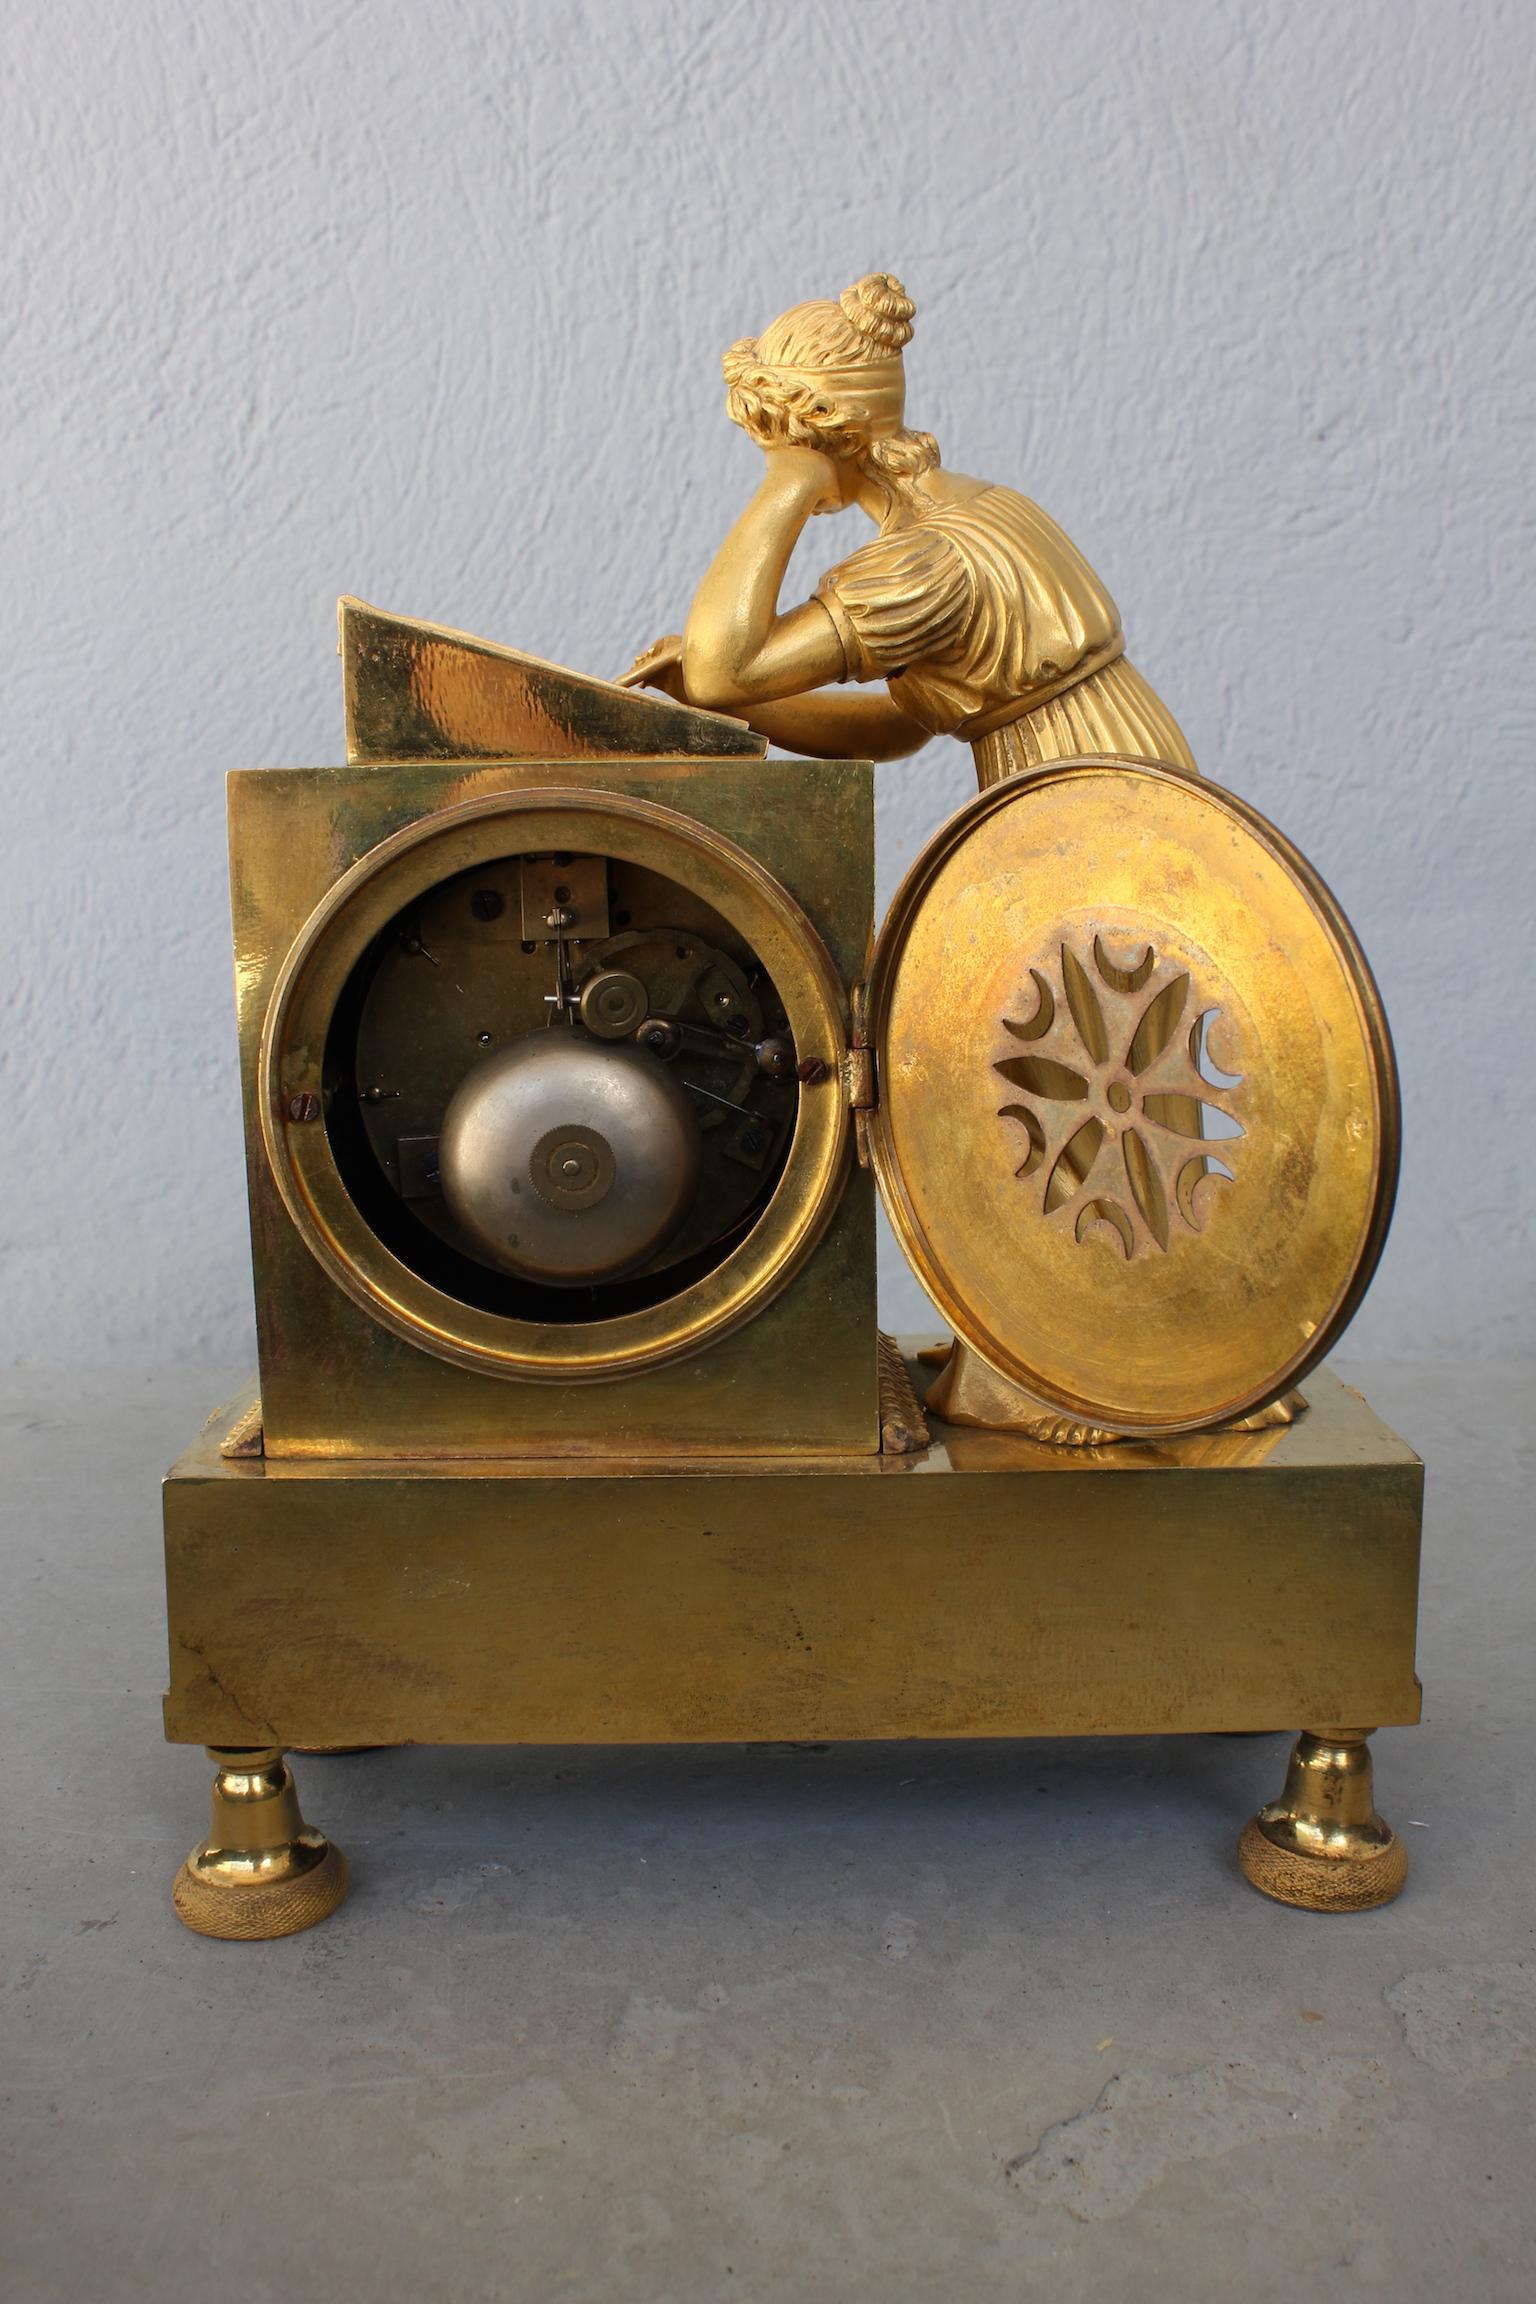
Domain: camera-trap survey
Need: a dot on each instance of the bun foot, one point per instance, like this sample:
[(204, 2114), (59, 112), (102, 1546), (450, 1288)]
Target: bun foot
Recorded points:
[(1321, 1845), (262, 1871)]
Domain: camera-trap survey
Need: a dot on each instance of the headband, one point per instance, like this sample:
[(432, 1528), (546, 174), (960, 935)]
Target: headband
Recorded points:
[(881, 376)]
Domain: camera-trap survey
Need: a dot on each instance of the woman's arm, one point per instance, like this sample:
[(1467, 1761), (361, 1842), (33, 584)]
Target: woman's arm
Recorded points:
[(839, 724), (738, 651), (828, 724), (738, 654)]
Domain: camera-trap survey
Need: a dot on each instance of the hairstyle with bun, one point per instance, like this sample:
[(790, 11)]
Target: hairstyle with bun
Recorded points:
[(784, 389)]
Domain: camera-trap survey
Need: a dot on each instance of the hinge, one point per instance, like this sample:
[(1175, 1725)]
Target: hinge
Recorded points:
[(859, 1072), (863, 1088)]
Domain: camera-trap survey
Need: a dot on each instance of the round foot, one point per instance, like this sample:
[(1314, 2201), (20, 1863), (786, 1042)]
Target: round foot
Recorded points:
[(1321, 1845), (308, 1889), (1355, 1883), (261, 1871)]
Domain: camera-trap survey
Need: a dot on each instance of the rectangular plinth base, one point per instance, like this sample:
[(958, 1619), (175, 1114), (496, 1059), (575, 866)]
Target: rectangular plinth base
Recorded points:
[(990, 1587)]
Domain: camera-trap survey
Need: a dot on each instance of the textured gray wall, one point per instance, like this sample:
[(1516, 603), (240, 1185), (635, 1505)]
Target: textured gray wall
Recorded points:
[(426, 304)]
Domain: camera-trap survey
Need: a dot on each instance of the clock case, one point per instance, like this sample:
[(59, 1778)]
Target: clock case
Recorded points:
[(788, 1367)]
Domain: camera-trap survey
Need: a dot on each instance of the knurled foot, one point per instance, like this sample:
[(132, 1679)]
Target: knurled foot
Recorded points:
[(1321, 1845), (261, 1872), (251, 1912), (1319, 1883)]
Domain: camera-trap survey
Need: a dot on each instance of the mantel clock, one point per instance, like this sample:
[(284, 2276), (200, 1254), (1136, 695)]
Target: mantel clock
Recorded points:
[(575, 1062)]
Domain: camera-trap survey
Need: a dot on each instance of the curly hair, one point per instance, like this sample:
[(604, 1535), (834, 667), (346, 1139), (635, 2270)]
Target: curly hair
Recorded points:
[(782, 385)]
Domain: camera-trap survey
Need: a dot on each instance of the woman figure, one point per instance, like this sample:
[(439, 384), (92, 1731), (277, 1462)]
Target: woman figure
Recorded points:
[(982, 619), (980, 616)]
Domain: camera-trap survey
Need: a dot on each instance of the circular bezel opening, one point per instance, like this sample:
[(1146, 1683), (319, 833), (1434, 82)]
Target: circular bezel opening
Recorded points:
[(400, 871)]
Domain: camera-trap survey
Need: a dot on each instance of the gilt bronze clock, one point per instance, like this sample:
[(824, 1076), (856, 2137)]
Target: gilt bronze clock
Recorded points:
[(575, 1061)]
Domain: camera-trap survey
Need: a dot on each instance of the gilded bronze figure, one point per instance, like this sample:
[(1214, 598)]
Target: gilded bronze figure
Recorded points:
[(982, 619)]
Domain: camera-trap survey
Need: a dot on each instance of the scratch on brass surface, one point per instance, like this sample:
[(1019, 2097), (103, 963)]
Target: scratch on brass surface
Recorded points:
[(1099, 2163), (267, 1735)]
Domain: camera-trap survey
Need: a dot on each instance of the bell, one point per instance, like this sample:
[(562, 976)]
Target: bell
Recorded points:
[(567, 1159)]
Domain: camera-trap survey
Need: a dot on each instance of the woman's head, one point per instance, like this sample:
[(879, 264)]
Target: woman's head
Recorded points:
[(829, 376)]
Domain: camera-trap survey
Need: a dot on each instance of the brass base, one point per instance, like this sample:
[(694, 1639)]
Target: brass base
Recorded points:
[(1321, 1845), (262, 1871), (989, 1587), (986, 1587)]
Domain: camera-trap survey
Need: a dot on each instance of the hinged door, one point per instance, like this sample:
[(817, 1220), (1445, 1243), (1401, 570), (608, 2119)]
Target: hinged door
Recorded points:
[(1137, 1120)]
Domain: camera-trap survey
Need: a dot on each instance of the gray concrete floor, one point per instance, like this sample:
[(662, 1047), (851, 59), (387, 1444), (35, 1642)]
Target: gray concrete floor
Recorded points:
[(966, 2022)]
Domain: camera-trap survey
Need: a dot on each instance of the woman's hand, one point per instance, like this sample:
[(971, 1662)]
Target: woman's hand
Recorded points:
[(739, 652), (814, 480), (659, 666)]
